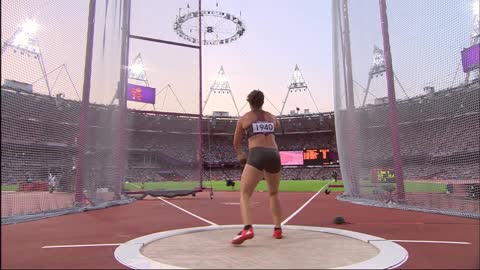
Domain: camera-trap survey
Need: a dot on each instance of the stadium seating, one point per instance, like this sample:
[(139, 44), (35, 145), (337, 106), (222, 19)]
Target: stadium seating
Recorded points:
[(44, 139)]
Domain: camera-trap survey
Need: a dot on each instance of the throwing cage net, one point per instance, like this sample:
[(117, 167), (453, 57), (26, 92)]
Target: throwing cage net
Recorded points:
[(407, 103), (63, 124), (164, 148)]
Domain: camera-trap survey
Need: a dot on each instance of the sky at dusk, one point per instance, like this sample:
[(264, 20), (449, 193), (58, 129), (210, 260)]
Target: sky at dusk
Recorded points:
[(426, 36)]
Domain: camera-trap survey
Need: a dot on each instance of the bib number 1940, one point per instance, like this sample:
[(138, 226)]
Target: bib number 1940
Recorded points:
[(262, 127)]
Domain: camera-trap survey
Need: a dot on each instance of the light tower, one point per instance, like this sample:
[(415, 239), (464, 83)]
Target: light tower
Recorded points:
[(297, 84), (221, 86), (136, 71), (378, 69), (24, 41)]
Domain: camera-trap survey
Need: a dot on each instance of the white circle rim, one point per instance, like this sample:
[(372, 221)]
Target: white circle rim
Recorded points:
[(391, 255)]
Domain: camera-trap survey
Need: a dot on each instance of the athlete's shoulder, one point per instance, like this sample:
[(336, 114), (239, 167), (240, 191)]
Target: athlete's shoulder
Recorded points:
[(247, 116), (270, 115), (243, 119)]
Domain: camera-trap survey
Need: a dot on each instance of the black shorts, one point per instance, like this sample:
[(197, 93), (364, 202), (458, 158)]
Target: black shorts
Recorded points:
[(267, 159)]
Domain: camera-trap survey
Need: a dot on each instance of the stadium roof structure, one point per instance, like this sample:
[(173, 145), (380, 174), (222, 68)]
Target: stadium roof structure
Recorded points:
[(167, 88), (218, 27)]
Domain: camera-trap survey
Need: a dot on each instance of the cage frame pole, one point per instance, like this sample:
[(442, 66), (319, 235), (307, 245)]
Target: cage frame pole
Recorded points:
[(393, 112), (200, 109), (120, 150), (348, 58), (83, 123), (350, 103)]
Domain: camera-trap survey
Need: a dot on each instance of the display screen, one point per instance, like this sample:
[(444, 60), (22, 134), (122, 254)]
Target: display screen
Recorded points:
[(140, 93), (471, 58), (321, 156), (291, 157)]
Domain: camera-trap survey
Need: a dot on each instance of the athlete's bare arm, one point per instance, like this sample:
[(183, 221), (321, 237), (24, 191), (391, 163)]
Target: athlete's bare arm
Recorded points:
[(237, 142), (275, 120)]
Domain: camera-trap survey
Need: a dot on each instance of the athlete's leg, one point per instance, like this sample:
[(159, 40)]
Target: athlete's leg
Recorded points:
[(248, 182), (273, 182)]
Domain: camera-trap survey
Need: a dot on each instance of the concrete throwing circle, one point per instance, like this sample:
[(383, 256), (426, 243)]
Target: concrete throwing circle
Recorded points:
[(302, 247)]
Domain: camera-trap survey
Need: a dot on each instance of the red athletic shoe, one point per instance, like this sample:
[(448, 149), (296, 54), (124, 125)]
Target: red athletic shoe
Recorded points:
[(277, 234), (242, 236)]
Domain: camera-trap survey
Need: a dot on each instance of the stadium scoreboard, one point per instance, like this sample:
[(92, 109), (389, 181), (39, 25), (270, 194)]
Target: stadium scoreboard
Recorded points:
[(307, 157), (321, 156)]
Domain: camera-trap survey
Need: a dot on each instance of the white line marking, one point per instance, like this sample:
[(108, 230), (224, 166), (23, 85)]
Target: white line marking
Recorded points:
[(237, 203), (305, 204), (391, 223), (178, 207), (427, 241), (86, 245)]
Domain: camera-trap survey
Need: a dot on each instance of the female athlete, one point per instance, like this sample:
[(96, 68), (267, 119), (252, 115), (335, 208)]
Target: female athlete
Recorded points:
[(263, 160)]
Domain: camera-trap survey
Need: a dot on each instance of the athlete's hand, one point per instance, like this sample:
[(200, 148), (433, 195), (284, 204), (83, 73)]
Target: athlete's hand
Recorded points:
[(242, 158)]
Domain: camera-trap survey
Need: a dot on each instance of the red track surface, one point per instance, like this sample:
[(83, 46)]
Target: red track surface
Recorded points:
[(22, 243)]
